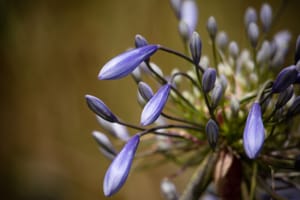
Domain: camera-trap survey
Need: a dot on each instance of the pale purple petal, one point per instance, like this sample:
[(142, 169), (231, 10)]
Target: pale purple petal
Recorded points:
[(189, 14)]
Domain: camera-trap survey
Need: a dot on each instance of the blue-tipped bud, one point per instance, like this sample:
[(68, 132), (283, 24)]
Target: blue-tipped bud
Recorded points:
[(168, 189), (125, 63), (233, 49), (209, 79), (212, 27), (119, 169), (145, 91), (217, 95), (295, 107), (284, 79), (154, 107), (189, 14), (222, 40), (250, 16), (196, 47), (266, 17), (117, 130), (212, 133), (99, 108), (254, 133), (104, 142), (297, 51), (284, 96), (140, 41), (253, 34)]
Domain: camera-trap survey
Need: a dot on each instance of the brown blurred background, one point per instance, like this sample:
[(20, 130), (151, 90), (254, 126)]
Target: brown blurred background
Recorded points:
[(51, 52)]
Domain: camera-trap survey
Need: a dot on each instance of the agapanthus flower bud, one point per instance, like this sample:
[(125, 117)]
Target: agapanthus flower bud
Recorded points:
[(216, 95), (125, 63), (212, 133), (222, 40), (119, 169), (297, 51), (104, 142), (284, 96), (155, 105), (265, 52), (176, 5), (266, 17), (253, 34), (115, 129), (189, 14), (140, 41), (212, 27), (295, 107), (209, 79), (145, 91), (250, 16), (223, 82), (99, 108), (234, 105), (284, 79), (233, 49), (168, 189), (184, 30), (196, 47), (254, 133)]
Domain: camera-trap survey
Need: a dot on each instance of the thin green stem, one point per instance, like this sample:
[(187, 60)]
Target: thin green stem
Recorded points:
[(253, 181)]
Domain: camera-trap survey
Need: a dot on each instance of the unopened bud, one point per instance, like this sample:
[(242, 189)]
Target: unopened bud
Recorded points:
[(168, 189), (222, 40), (212, 27), (140, 41), (284, 96), (196, 47), (250, 16), (266, 17), (212, 133), (145, 91), (253, 34), (209, 79), (233, 49), (216, 95)]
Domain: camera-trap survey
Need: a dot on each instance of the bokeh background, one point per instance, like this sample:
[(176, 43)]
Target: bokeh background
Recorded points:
[(50, 54)]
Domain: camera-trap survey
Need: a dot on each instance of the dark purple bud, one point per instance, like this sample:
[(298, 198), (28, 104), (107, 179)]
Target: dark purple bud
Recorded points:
[(212, 133), (253, 34), (155, 105), (140, 41), (189, 14), (284, 96), (212, 27), (254, 133), (125, 63), (209, 79), (233, 49), (104, 142), (119, 169), (250, 16), (196, 47), (295, 107), (168, 189), (99, 108), (266, 17), (284, 79), (297, 51), (145, 91)]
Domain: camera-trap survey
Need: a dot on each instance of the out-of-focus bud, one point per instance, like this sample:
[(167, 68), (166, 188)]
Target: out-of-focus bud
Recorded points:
[(250, 16), (145, 91), (266, 17), (104, 142), (284, 96), (216, 95), (189, 14), (297, 51), (177, 79), (137, 74), (295, 107), (284, 79), (140, 41), (168, 190), (212, 27), (212, 133), (156, 68), (233, 49), (265, 52), (176, 5), (209, 79), (224, 82), (253, 34), (222, 40), (184, 30), (204, 62), (196, 47), (234, 105)]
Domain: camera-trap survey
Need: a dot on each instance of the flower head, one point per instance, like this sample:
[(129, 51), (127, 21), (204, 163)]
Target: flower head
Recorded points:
[(118, 171), (125, 63), (254, 133), (155, 105)]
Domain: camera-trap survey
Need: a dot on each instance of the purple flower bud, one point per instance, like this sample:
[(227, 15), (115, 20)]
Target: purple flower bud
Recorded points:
[(284, 79), (184, 30), (212, 133), (104, 142), (155, 105), (284, 96), (253, 34), (297, 51), (233, 49), (212, 27), (250, 16), (266, 17), (222, 40), (209, 79), (140, 41), (254, 133), (196, 47), (265, 52), (125, 63), (145, 91), (216, 95), (189, 14), (119, 169), (99, 108), (169, 190), (176, 5)]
